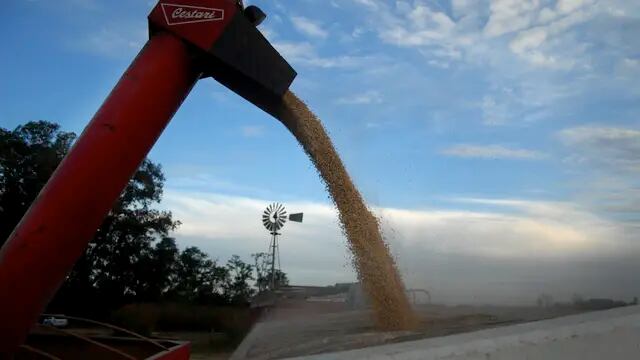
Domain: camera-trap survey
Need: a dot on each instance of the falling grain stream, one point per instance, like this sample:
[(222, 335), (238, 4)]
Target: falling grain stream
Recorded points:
[(376, 268)]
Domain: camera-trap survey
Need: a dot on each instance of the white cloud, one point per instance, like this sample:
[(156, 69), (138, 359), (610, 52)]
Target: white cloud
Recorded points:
[(368, 3), (566, 6), (303, 53), (312, 252), (548, 52), (631, 64), (510, 15), (309, 27), (432, 246), (188, 178), (605, 159), (119, 41), (527, 40), (369, 97), (439, 64), (611, 147), (357, 32), (491, 152), (551, 229), (427, 27), (546, 45), (252, 131), (372, 125), (464, 7), (500, 234), (599, 135), (294, 50), (494, 113), (268, 32)]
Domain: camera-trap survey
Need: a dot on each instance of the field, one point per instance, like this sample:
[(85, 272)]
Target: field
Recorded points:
[(316, 328)]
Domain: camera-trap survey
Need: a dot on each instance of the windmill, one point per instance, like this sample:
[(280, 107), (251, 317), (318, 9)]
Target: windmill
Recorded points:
[(273, 219)]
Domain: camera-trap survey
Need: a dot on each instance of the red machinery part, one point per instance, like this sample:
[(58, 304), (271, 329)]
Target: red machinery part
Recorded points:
[(200, 22), (189, 39), (233, 51), (55, 231)]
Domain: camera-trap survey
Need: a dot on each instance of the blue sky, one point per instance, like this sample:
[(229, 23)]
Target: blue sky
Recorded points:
[(497, 131)]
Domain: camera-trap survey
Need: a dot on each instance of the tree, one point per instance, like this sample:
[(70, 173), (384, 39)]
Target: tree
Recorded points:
[(280, 279), (131, 257), (115, 266), (237, 288), (160, 270), (28, 156), (262, 265), (198, 278), (116, 263), (544, 300), (577, 299)]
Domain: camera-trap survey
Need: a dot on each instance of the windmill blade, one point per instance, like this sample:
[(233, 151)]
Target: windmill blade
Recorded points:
[(275, 216)]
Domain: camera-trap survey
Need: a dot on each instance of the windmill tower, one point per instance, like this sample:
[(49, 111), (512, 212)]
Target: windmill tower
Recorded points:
[(273, 219)]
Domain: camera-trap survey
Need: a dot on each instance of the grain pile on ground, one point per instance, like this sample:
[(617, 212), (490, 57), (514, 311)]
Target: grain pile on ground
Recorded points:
[(375, 266)]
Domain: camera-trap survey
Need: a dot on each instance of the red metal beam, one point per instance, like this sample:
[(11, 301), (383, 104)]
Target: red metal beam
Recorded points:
[(42, 353), (178, 352), (109, 326), (95, 343), (55, 231)]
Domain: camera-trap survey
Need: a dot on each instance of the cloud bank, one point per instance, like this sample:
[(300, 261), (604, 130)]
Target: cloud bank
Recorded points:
[(506, 250)]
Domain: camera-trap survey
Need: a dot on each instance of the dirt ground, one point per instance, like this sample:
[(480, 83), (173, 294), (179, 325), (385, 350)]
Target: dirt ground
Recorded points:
[(289, 332), (204, 345)]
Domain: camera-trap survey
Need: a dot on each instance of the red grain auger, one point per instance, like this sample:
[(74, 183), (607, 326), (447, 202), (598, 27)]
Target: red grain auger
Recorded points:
[(189, 40)]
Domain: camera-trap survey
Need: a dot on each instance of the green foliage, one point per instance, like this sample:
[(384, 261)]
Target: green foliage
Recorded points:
[(28, 156), (120, 264), (198, 278), (237, 287), (131, 258), (146, 318), (262, 266)]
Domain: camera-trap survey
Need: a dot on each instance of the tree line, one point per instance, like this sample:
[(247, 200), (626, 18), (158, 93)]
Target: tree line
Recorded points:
[(132, 258)]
